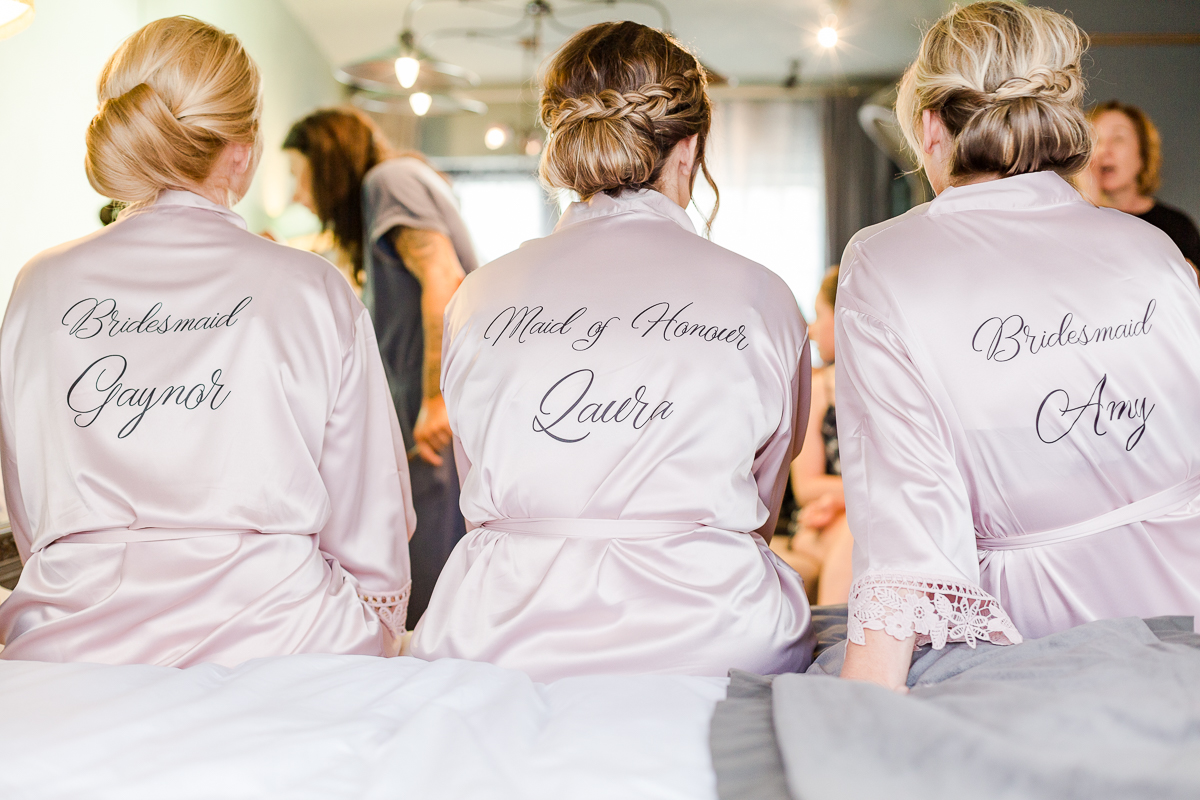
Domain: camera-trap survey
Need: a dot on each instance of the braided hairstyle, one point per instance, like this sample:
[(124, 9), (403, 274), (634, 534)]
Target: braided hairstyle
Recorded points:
[(617, 98), (1007, 81), (171, 97)]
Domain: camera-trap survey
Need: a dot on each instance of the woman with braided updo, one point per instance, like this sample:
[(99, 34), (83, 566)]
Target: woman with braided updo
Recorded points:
[(1015, 390), (626, 398), (201, 458)]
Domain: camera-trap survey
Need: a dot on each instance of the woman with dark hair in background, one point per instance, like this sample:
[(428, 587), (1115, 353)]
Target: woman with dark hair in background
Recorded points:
[(1124, 173), (397, 222), (626, 397)]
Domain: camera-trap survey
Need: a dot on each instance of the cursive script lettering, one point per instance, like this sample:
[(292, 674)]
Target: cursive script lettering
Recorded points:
[(1058, 402), (100, 385), (569, 392), (527, 321), (675, 328), (88, 317), (1004, 338)]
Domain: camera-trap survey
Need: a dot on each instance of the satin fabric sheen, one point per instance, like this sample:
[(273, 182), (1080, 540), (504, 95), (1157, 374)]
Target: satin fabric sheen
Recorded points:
[(243, 520), (614, 470), (1013, 361)]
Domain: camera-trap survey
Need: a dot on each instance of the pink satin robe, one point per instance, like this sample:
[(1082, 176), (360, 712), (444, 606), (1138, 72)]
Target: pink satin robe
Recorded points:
[(201, 457), (1018, 398), (626, 398)]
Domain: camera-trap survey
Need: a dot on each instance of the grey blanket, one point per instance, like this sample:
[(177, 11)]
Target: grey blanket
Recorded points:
[(1106, 710)]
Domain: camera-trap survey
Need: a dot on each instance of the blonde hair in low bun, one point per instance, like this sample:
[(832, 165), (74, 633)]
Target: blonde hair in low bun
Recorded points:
[(617, 98), (1007, 81), (172, 96)]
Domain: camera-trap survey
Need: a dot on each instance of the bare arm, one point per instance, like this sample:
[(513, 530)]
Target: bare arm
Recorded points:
[(431, 258), (809, 481), (883, 660)]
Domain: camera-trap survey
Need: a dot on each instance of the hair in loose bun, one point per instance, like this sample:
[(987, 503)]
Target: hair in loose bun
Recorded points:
[(1007, 81), (617, 97), (172, 96)]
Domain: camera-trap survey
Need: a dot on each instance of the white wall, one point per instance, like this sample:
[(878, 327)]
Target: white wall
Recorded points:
[(48, 96)]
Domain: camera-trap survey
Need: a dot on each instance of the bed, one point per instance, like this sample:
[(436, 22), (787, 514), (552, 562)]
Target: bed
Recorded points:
[(1107, 710), (334, 727)]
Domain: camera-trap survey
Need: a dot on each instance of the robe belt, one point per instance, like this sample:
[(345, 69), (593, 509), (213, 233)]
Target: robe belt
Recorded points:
[(592, 528), (1156, 505), (126, 535)]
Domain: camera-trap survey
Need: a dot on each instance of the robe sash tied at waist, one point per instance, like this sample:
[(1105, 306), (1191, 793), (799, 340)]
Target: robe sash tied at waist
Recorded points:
[(1156, 505), (125, 535), (593, 528)]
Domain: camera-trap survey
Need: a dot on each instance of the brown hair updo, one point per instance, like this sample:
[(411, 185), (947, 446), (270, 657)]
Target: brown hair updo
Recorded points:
[(1007, 82), (617, 97), (172, 96), (1149, 143)]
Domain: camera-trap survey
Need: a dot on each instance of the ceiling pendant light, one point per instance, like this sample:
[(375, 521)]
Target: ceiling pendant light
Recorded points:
[(827, 37), (420, 103), (15, 16), (407, 71)]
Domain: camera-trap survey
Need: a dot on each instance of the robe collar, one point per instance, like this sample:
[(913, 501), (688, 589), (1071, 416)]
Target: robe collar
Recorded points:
[(179, 197), (645, 202), (1020, 192)]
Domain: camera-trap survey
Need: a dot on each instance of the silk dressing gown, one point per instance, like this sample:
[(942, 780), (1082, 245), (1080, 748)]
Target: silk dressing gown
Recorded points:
[(201, 458), (1017, 413), (626, 398)]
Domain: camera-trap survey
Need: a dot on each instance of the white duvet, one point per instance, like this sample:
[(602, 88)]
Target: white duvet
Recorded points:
[(334, 727)]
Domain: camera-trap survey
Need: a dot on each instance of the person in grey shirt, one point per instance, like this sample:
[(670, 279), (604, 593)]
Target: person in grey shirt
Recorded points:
[(395, 219)]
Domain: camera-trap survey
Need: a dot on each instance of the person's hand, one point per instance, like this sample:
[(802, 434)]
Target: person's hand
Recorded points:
[(820, 512), (432, 431)]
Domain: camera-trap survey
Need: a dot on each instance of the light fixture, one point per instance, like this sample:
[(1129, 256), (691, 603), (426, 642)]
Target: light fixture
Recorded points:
[(827, 37), (15, 16), (533, 146), (407, 70), (420, 103), (496, 136)]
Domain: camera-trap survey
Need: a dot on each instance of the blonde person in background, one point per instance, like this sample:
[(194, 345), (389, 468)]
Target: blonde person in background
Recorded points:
[(200, 453), (821, 546)]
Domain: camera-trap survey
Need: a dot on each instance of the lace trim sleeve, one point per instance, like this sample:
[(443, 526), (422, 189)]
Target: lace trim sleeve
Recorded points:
[(936, 611), (392, 609)]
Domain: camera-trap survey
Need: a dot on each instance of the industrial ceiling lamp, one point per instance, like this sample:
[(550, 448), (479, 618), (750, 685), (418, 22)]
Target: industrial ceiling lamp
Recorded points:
[(15, 16)]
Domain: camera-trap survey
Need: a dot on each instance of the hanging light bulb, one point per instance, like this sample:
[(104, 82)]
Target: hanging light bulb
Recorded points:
[(495, 137), (15, 16), (420, 103), (827, 37), (407, 70)]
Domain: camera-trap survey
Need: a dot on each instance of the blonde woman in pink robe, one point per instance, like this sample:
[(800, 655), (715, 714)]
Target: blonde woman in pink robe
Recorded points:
[(626, 398), (1017, 378), (201, 457)]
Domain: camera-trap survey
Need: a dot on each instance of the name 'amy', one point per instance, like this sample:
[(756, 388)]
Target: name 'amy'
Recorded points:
[(99, 386), (557, 416), (1056, 417)]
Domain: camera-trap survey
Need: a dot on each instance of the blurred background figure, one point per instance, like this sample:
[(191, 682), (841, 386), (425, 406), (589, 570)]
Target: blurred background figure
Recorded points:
[(821, 546), (397, 223), (1125, 173)]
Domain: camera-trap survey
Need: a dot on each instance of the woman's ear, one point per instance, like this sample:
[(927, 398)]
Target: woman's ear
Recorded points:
[(933, 131), (687, 157), (241, 156)]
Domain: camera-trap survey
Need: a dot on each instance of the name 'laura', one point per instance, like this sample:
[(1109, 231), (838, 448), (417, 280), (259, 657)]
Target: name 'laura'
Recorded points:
[(558, 419)]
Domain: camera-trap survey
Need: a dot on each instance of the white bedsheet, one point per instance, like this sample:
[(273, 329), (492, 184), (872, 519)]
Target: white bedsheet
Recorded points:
[(333, 727)]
